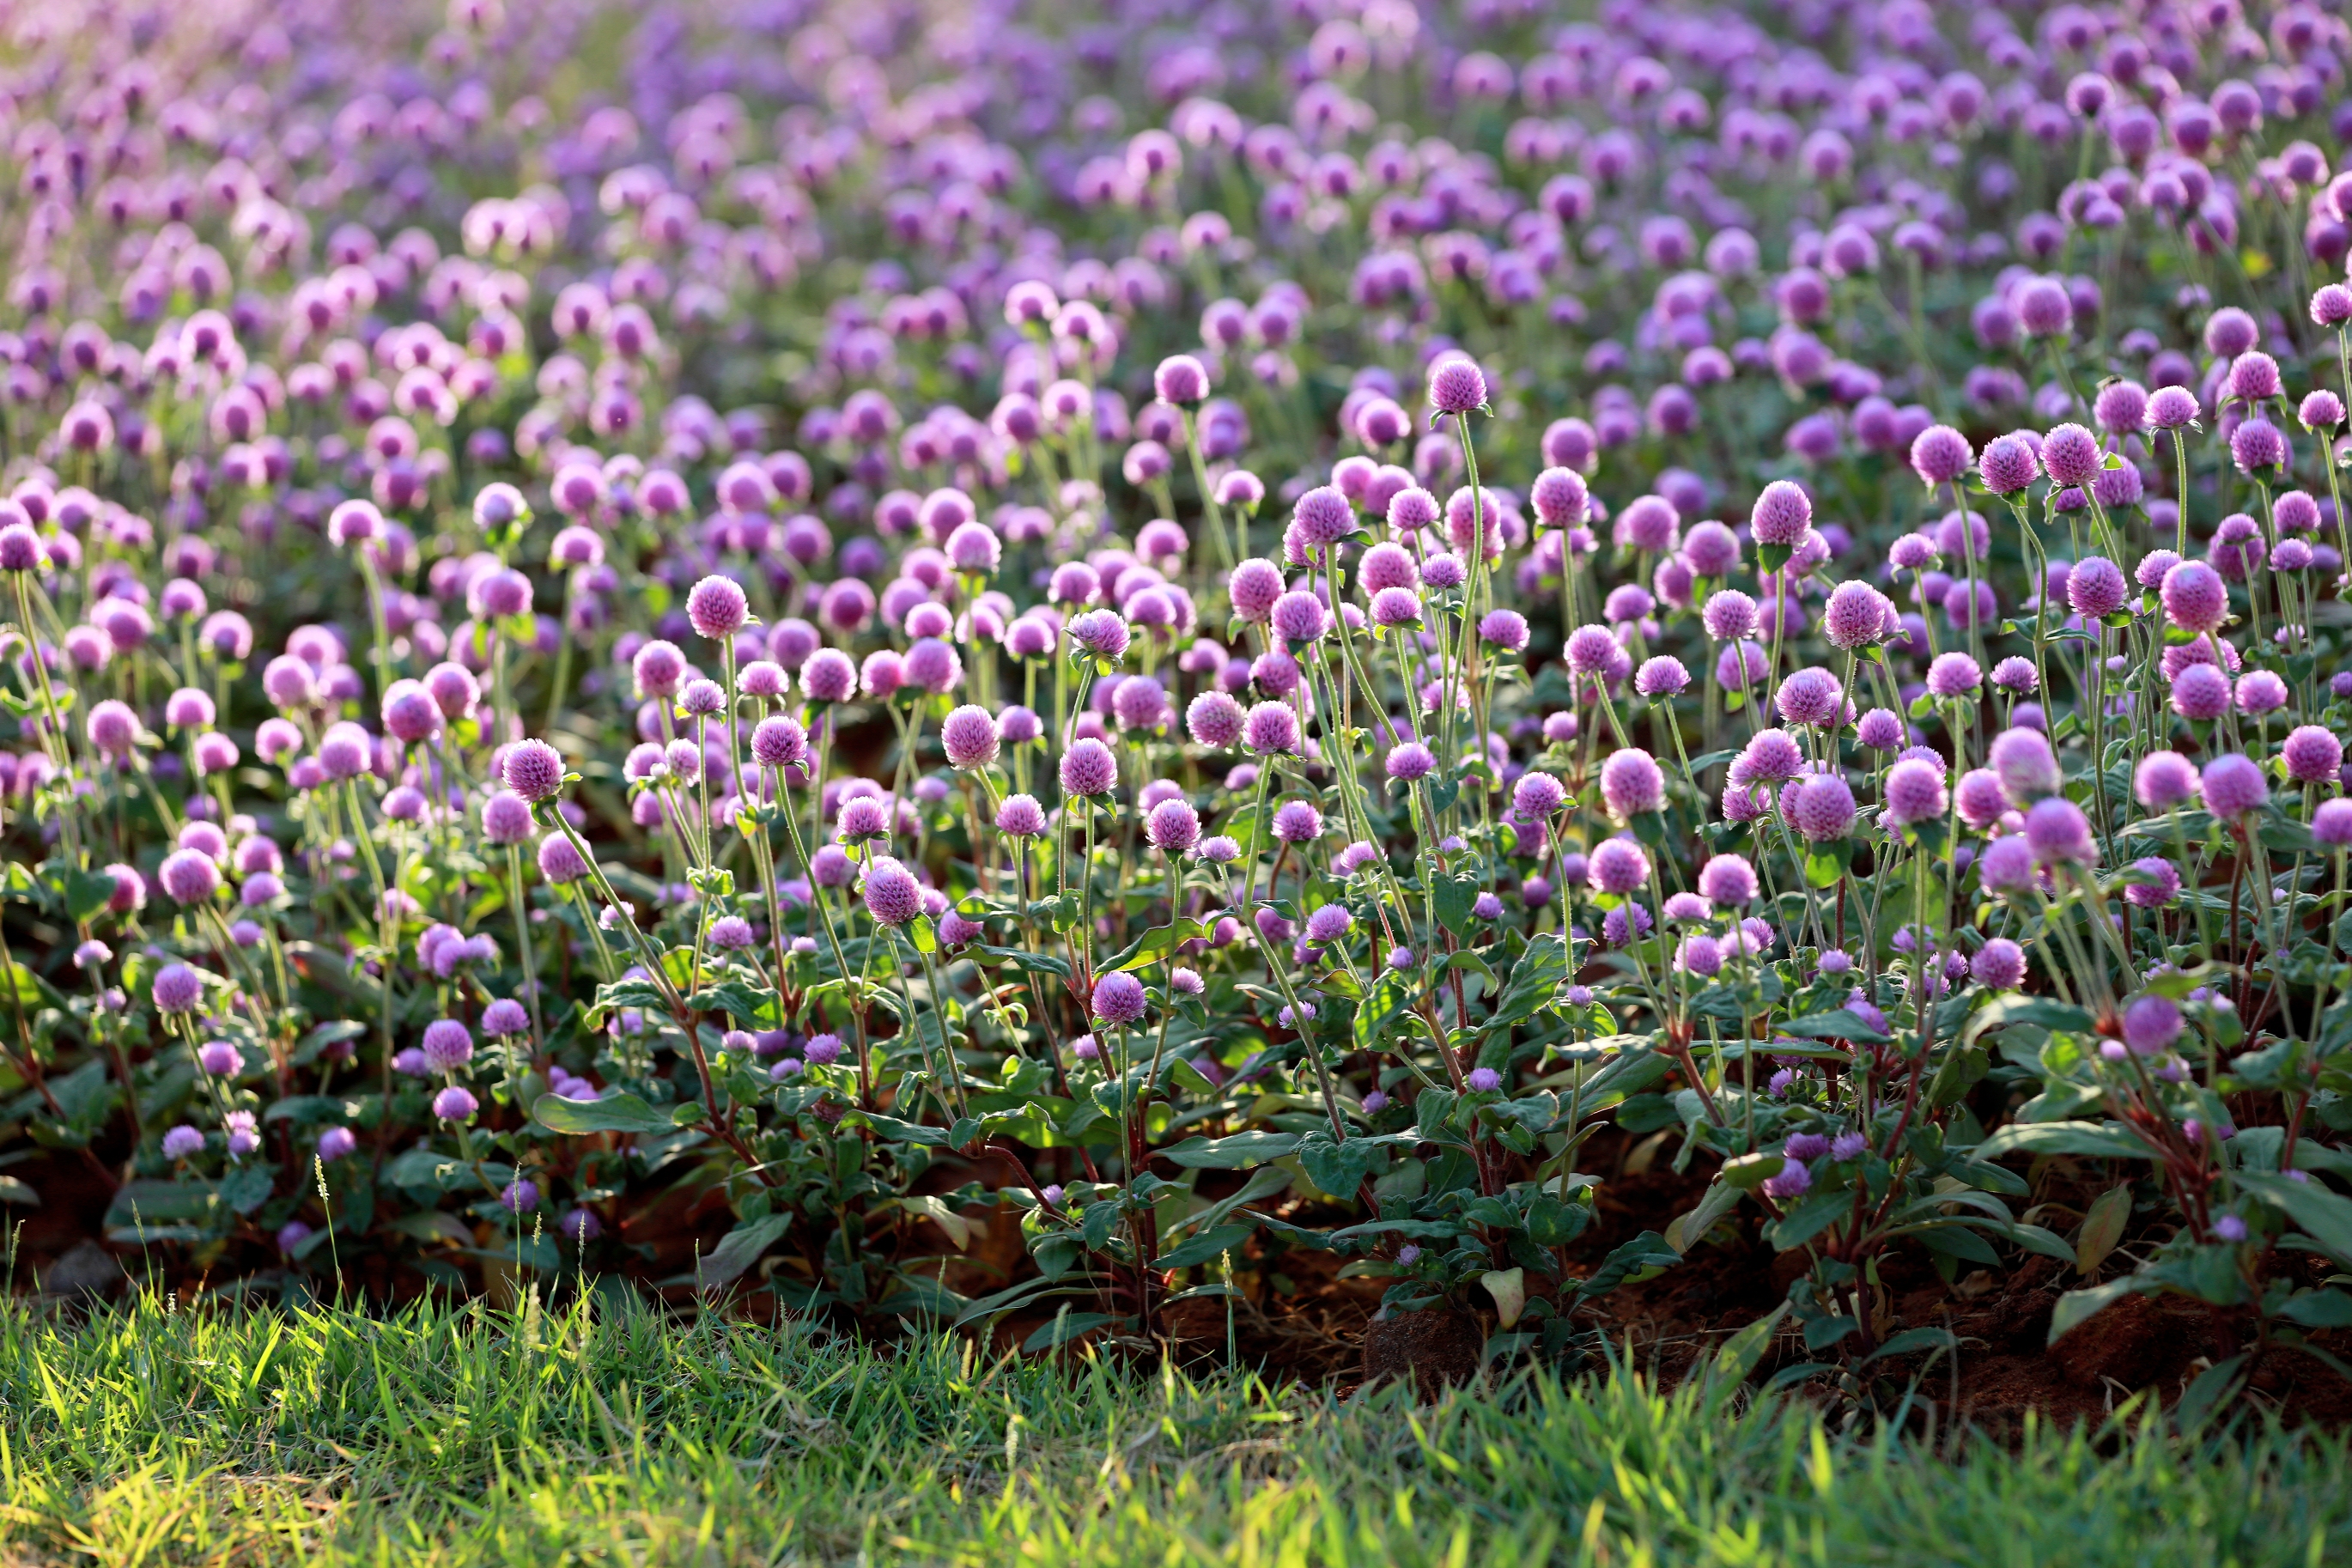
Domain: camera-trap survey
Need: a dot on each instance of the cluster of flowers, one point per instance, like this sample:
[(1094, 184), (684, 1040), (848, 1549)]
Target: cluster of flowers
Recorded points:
[(1469, 583)]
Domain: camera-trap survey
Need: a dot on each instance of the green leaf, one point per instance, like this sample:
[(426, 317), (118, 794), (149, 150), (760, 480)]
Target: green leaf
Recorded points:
[(2103, 1227), (1155, 944), (1741, 1352), (1750, 1171), (2322, 1309), (614, 1113), (1339, 1169), (897, 1131), (2086, 1138), (1839, 1025), (1264, 1183), (2321, 1214), (87, 893), (13, 1190), (1808, 1219), (2055, 1016), (1028, 963), (1214, 1242), (1645, 1254), (739, 1249), (1454, 897), (1533, 978), (1066, 1326), (1233, 1153), (2076, 1307)]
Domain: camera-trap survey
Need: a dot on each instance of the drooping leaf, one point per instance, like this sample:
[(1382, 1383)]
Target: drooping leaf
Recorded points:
[(614, 1113)]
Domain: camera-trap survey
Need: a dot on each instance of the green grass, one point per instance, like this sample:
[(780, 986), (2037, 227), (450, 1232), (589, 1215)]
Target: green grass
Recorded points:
[(466, 1434)]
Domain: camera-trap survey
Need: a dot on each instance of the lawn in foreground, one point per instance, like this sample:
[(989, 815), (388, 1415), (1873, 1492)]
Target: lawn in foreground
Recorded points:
[(464, 1435)]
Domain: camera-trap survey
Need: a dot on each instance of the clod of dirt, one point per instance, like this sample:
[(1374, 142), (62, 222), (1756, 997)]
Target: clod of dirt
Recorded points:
[(1436, 1347), (2126, 1341), (85, 1269)]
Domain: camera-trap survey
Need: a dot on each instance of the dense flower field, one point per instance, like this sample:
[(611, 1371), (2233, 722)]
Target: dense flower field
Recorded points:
[(1230, 631)]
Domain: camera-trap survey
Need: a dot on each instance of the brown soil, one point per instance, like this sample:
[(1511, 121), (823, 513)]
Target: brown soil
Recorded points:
[(1299, 1318)]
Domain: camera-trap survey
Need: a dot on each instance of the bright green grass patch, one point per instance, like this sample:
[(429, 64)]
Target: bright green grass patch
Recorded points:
[(465, 1435)]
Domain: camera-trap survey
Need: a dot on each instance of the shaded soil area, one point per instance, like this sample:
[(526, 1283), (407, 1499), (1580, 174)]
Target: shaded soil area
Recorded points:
[(1293, 1315)]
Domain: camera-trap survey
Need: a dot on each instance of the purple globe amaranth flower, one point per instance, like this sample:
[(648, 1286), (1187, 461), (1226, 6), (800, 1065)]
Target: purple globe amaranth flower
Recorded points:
[(1664, 676), (1856, 616), (2261, 691), (2069, 454), (1504, 629), (1781, 515), (1940, 455), (2258, 447), (1820, 807), (1810, 696), (1632, 784), (1617, 866), (1173, 827), (1253, 588), (2095, 587), (1117, 999), (1088, 768), (2000, 965), (2164, 780), (2172, 408), (2060, 835), (1270, 730), (1411, 761), (2028, 770), (1181, 379), (1483, 1080), (2006, 866), (2233, 785), (969, 737), (2331, 825), (1915, 793), (1953, 674), (2202, 692), (1769, 756), (2158, 883), (1299, 617), (2150, 1024), (1880, 729), (1729, 880), (1457, 385), (716, 608), (1538, 794), (892, 895), (1323, 516), (2312, 753), (2195, 598), (455, 1104), (532, 769), (189, 876), (2008, 464)]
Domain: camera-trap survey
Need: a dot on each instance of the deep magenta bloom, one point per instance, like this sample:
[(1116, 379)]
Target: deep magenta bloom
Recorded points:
[(969, 736), (2009, 463), (2313, 754), (532, 769), (2059, 834), (1939, 454), (2234, 785), (1117, 999), (2195, 598), (1271, 729), (892, 895), (1618, 866), (1820, 807), (2095, 587), (1915, 793), (2151, 1022), (2000, 965), (1457, 385), (2071, 454), (1088, 768), (1781, 515), (2164, 780)]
